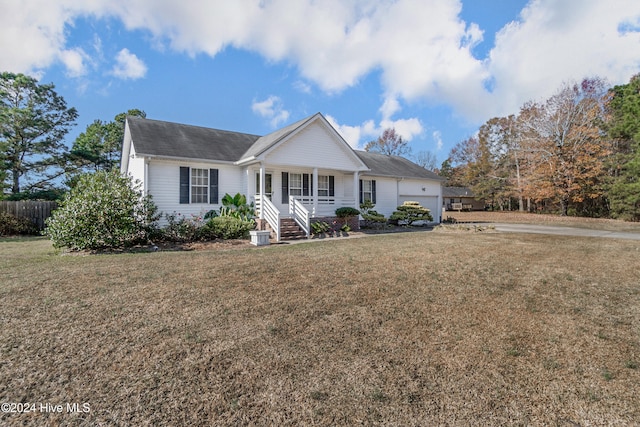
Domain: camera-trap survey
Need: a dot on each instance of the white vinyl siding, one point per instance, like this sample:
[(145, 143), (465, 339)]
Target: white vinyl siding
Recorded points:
[(314, 146), (164, 177)]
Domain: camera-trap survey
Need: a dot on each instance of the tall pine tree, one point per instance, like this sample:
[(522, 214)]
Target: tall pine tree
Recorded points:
[(624, 129)]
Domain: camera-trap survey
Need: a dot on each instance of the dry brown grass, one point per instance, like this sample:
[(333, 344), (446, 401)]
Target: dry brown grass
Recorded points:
[(544, 219), (401, 329)]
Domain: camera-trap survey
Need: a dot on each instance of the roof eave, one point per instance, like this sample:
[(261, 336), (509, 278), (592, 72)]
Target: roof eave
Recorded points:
[(405, 177), (184, 159)]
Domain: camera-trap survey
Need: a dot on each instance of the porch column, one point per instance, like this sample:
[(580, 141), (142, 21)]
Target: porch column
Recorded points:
[(315, 190), (356, 189), (262, 187), (438, 219), (247, 172)]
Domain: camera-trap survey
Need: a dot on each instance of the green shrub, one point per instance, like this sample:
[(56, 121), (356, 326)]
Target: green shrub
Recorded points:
[(372, 219), (104, 210), (346, 212), (235, 206), (180, 228), (319, 227), (410, 212), (226, 227), (11, 225)]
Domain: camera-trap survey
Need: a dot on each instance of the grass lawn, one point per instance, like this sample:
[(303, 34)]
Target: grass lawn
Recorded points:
[(400, 329)]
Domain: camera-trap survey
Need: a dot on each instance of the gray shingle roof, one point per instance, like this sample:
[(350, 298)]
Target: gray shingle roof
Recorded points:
[(394, 166), (457, 192), (158, 138)]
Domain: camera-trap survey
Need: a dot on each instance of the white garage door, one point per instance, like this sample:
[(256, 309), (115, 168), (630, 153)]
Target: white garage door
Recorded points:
[(429, 202)]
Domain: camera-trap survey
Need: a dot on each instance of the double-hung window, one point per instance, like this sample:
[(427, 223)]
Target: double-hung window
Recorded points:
[(368, 190), (295, 184), (323, 186), (199, 185), (300, 186)]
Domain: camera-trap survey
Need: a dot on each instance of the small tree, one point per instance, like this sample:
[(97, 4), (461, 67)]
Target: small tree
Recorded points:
[(104, 210), (100, 145), (370, 216), (410, 212)]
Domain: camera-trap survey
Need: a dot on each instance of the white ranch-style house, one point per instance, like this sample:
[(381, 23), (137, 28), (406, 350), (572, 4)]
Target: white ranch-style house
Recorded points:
[(303, 171)]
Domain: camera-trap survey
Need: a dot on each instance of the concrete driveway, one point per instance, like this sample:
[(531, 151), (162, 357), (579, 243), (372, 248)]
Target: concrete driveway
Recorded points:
[(564, 231)]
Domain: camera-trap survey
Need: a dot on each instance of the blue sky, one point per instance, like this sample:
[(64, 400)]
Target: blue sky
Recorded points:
[(435, 70)]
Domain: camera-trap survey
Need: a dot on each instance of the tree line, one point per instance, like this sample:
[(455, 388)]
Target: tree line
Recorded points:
[(35, 162), (576, 153)]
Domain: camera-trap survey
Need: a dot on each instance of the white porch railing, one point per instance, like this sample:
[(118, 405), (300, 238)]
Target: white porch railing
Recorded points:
[(300, 214), (327, 205), (270, 213)]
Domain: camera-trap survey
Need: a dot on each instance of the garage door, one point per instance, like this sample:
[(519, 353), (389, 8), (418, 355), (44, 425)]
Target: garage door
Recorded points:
[(429, 202)]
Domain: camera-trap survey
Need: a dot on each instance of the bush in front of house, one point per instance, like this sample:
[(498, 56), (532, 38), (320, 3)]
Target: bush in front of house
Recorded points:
[(372, 219), (226, 227), (410, 212), (104, 210), (346, 212), (235, 206), (11, 225), (179, 228)]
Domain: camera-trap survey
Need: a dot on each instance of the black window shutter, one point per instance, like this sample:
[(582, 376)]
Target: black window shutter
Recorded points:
[(373, 191), (332, 186), (361, 195), (285, 188), (184, 185), (213, 186), (305, 184)]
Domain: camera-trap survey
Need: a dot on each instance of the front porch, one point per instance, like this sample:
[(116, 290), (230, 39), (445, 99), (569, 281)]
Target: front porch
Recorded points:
[(296, 222), (300, 194)]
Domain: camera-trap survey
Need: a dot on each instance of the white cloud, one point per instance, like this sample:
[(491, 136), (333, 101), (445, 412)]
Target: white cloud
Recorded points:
[(31, 34), (129, 66), (357, 136), (555, 42), (74, 61), (351, 134), (406, 128), (271, 109), (437, 137), (302, 87), (422, 48), (390, 107)]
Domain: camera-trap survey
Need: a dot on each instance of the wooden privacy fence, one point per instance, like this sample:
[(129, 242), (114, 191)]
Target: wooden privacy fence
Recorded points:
[(36, 211)]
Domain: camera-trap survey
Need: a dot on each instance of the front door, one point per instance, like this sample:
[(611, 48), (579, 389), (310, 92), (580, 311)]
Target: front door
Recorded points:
[(267, 184)]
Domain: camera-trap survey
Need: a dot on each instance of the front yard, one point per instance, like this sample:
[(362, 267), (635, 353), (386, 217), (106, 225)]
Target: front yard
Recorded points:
[(399, 329)]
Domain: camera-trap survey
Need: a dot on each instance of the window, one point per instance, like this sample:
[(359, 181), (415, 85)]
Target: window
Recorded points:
[(323, 185), (199, 185), (268, 189), (295, 184), (367, 190), (300, 186)]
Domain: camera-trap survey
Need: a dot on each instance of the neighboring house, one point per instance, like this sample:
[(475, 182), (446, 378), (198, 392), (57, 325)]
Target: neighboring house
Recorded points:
[(305, 170), (461, 199)]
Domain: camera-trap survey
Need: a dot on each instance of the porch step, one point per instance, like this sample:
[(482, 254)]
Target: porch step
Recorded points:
[(289, 230)]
